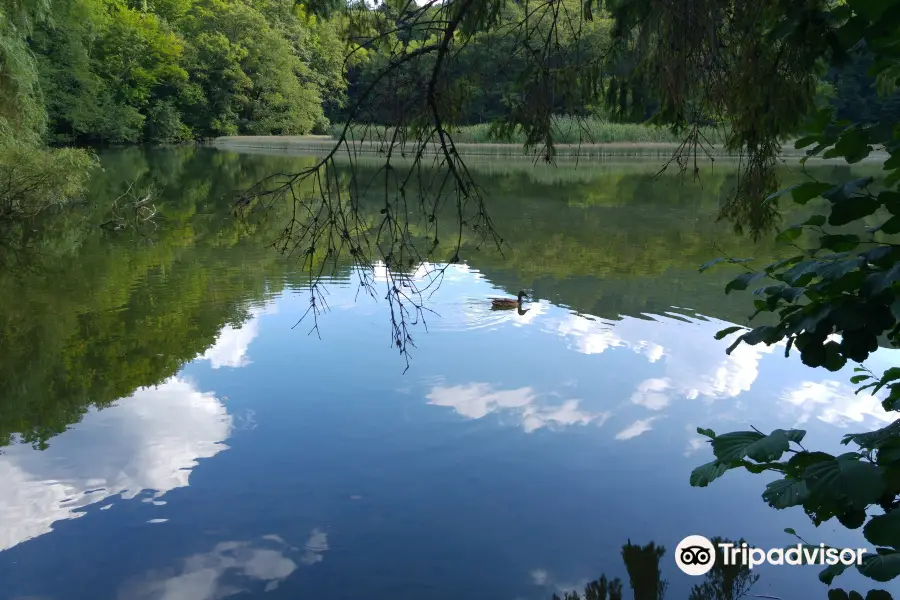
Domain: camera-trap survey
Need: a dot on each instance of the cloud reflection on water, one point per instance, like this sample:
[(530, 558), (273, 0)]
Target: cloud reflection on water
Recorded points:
[(229, 568), (694, 365), (834, 403), (149, 441), (637, 428), (232, 343), (689, 364), (477, 400)]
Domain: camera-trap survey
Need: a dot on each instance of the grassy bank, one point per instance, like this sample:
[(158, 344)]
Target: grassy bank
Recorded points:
[(593, 139), (321, 144), (566, 131), (590, 139)]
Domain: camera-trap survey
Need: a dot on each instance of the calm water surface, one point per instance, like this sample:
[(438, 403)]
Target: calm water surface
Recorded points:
[(168, 433)]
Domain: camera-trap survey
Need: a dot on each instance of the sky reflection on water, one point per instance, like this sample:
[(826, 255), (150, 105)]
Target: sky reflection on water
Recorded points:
[(514, 458)]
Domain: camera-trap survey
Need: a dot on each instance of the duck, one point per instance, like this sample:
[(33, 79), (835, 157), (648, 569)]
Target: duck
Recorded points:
[(503, 303)]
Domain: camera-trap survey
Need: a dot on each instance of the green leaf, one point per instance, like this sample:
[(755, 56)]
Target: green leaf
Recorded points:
[(793, 435), (802, 269), (878, 282), (800, 461), (775, 266), (834, 359), (838, 269), (884, 530), (742, 281), (892, 402), (711, 263), (790, 294), (881, 567), (707, 432), (853, 145), (839, 242), (852, 519), (731, 447), (891, 201), (784, 493), (790, 234), (828, 574), (845, 479), (790, 530), (878, 595), (889, 456), (892, 374), (805, 141), (764, 333), (805, 192), (852, 209), (891, 226), (778, 194), (858, 378), (846, 190), (703, 475), (728, 331), (815, 221), (878, 254), (873, 439)]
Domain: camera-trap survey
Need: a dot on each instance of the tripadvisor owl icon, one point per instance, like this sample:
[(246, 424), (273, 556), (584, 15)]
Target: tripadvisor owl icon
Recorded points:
[(695, 555)]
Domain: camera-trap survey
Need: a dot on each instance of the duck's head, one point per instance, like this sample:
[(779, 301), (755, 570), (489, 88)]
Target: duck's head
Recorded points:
[(522, 294)]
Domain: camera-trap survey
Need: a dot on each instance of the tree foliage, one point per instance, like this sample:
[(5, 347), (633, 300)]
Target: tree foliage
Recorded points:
[(836, 298), (32, 178), (112, 71)]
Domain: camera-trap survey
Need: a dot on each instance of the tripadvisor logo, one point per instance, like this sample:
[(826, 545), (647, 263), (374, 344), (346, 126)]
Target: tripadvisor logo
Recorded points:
[(696, 555)]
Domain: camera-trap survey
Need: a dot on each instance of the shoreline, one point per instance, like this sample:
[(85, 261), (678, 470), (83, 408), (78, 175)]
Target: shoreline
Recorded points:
[(320, 144)]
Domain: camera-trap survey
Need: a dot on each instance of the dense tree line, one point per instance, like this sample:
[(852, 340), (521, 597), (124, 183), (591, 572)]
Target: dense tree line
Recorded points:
[(172, 70), (89, 72), (127, 71)]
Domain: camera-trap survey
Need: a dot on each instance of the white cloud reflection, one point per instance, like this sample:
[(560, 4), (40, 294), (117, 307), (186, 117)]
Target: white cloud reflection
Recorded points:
[(834, 403), (230, 568), (426, 271), (691, 370), (477, 400), (539, 576), (687, 364), (652, 394), (315, 548), (230, 349), (694, 445), (637, 428), (150, 441)]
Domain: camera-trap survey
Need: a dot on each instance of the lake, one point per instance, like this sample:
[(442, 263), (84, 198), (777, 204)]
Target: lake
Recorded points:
[(169, 429)]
